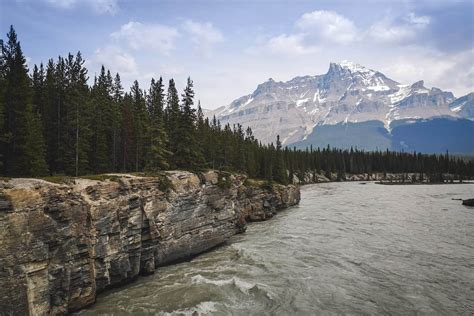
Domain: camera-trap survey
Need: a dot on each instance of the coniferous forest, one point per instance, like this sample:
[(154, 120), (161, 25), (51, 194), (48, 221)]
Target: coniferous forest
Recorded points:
[(53, 122)]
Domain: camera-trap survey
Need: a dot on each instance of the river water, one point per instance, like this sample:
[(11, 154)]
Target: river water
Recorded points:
[(346, 249)]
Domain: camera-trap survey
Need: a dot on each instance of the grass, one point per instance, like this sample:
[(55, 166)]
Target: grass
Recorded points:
[(62, 179), (100, 177)]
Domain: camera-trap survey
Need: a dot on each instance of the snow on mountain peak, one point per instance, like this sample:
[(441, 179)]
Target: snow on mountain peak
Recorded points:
[(353, 67)]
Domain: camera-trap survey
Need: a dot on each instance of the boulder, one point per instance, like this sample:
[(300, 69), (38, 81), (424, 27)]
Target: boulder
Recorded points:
[(468, 202)]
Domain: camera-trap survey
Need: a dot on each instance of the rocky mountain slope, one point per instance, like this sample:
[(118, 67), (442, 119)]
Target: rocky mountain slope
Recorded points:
[(62, 244), (464, 106), (347, 93)]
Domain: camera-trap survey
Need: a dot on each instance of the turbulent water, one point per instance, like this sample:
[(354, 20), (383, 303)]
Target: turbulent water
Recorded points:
[(347, 248)]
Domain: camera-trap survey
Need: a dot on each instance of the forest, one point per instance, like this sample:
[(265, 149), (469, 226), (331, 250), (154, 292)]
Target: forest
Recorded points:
[(55, 120)]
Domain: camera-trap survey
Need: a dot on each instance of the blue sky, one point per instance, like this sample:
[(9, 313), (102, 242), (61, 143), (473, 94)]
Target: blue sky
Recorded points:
[(228, 47)]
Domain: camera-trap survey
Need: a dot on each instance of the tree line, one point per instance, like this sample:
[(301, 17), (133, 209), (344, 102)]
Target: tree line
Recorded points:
[(53, 123)]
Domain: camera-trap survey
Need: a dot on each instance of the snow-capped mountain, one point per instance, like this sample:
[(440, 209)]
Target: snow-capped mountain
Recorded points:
[(464, 106), (347, 93)]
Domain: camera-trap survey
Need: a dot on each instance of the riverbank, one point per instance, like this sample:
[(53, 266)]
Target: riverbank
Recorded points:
[(63, 243), (380, 177)]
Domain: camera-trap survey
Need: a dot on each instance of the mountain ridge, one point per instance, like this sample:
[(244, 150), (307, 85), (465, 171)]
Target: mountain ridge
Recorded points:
[(346, 93)]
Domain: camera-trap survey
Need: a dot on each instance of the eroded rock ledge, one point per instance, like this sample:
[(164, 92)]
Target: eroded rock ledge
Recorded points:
[(61, 245)]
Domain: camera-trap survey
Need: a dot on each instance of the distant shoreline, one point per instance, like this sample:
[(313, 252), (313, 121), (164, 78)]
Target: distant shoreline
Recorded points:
[(419, 183)]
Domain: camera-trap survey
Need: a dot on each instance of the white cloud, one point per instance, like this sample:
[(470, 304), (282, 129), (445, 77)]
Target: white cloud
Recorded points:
[(155, 37), (449, 72), (314, 29), (203, 35), (115, 59), (98, 6), (288, 45), (327, 25), (317, 29), (389, 30)]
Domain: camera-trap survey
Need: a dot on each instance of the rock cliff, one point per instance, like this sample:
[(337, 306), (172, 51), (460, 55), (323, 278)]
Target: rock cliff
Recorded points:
[(62, 244)]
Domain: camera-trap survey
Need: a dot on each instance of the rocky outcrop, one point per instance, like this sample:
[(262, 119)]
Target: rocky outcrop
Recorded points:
[(468, 202), (62, 244)]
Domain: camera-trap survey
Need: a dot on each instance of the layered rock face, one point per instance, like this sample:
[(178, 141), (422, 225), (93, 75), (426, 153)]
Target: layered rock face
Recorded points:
[(61, 245)]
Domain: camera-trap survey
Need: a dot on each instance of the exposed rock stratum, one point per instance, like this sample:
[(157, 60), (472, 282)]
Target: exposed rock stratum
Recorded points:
[(62, 244)]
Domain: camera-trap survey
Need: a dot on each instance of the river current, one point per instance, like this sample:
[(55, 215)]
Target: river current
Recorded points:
[(346, 249)]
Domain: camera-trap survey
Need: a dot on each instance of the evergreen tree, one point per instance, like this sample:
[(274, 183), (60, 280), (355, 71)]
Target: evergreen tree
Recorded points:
[(188, 154), (158, 154), (117, 97), (20, 158), (172, 117), (279, 168), (101, 122), (78, 117), (140, 125), (3, 130), (127, 134)]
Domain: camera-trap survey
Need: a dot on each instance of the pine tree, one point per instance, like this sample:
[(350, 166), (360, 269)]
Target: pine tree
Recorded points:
[(158, 154), (101, 122), (79, 116), (127, 135), (117, 97), (172, 118), (3, 131), (279, 169), (20, 160), (140, 125), (187, 154)]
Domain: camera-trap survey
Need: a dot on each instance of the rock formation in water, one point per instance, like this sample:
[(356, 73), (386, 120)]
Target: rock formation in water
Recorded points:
[(62, 244)]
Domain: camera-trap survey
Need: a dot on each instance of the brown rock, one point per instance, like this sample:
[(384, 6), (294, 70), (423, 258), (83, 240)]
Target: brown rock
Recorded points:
[(60, 245)]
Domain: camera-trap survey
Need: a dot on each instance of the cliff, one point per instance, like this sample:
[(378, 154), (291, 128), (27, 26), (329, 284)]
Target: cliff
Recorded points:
[(62, 244)]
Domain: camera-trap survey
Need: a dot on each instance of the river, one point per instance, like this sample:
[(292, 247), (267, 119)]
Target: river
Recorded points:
[(346, 249)]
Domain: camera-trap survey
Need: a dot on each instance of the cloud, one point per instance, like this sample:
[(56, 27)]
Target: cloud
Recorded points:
[(324, 29), (313, 30), (115, 59), (157, 37), (203, 35), (289, 45), (404, 30), (327, 25), (98, 6)]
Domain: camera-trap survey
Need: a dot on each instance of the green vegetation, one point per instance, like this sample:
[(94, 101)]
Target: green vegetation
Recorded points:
[(101, 177), (53, 123), (58, 179)]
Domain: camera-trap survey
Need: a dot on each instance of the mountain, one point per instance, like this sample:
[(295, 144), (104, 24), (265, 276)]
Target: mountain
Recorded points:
[(349, 105), (464, 106)]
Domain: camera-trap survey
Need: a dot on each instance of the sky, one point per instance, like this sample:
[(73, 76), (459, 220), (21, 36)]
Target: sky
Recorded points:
[(229, 47)]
